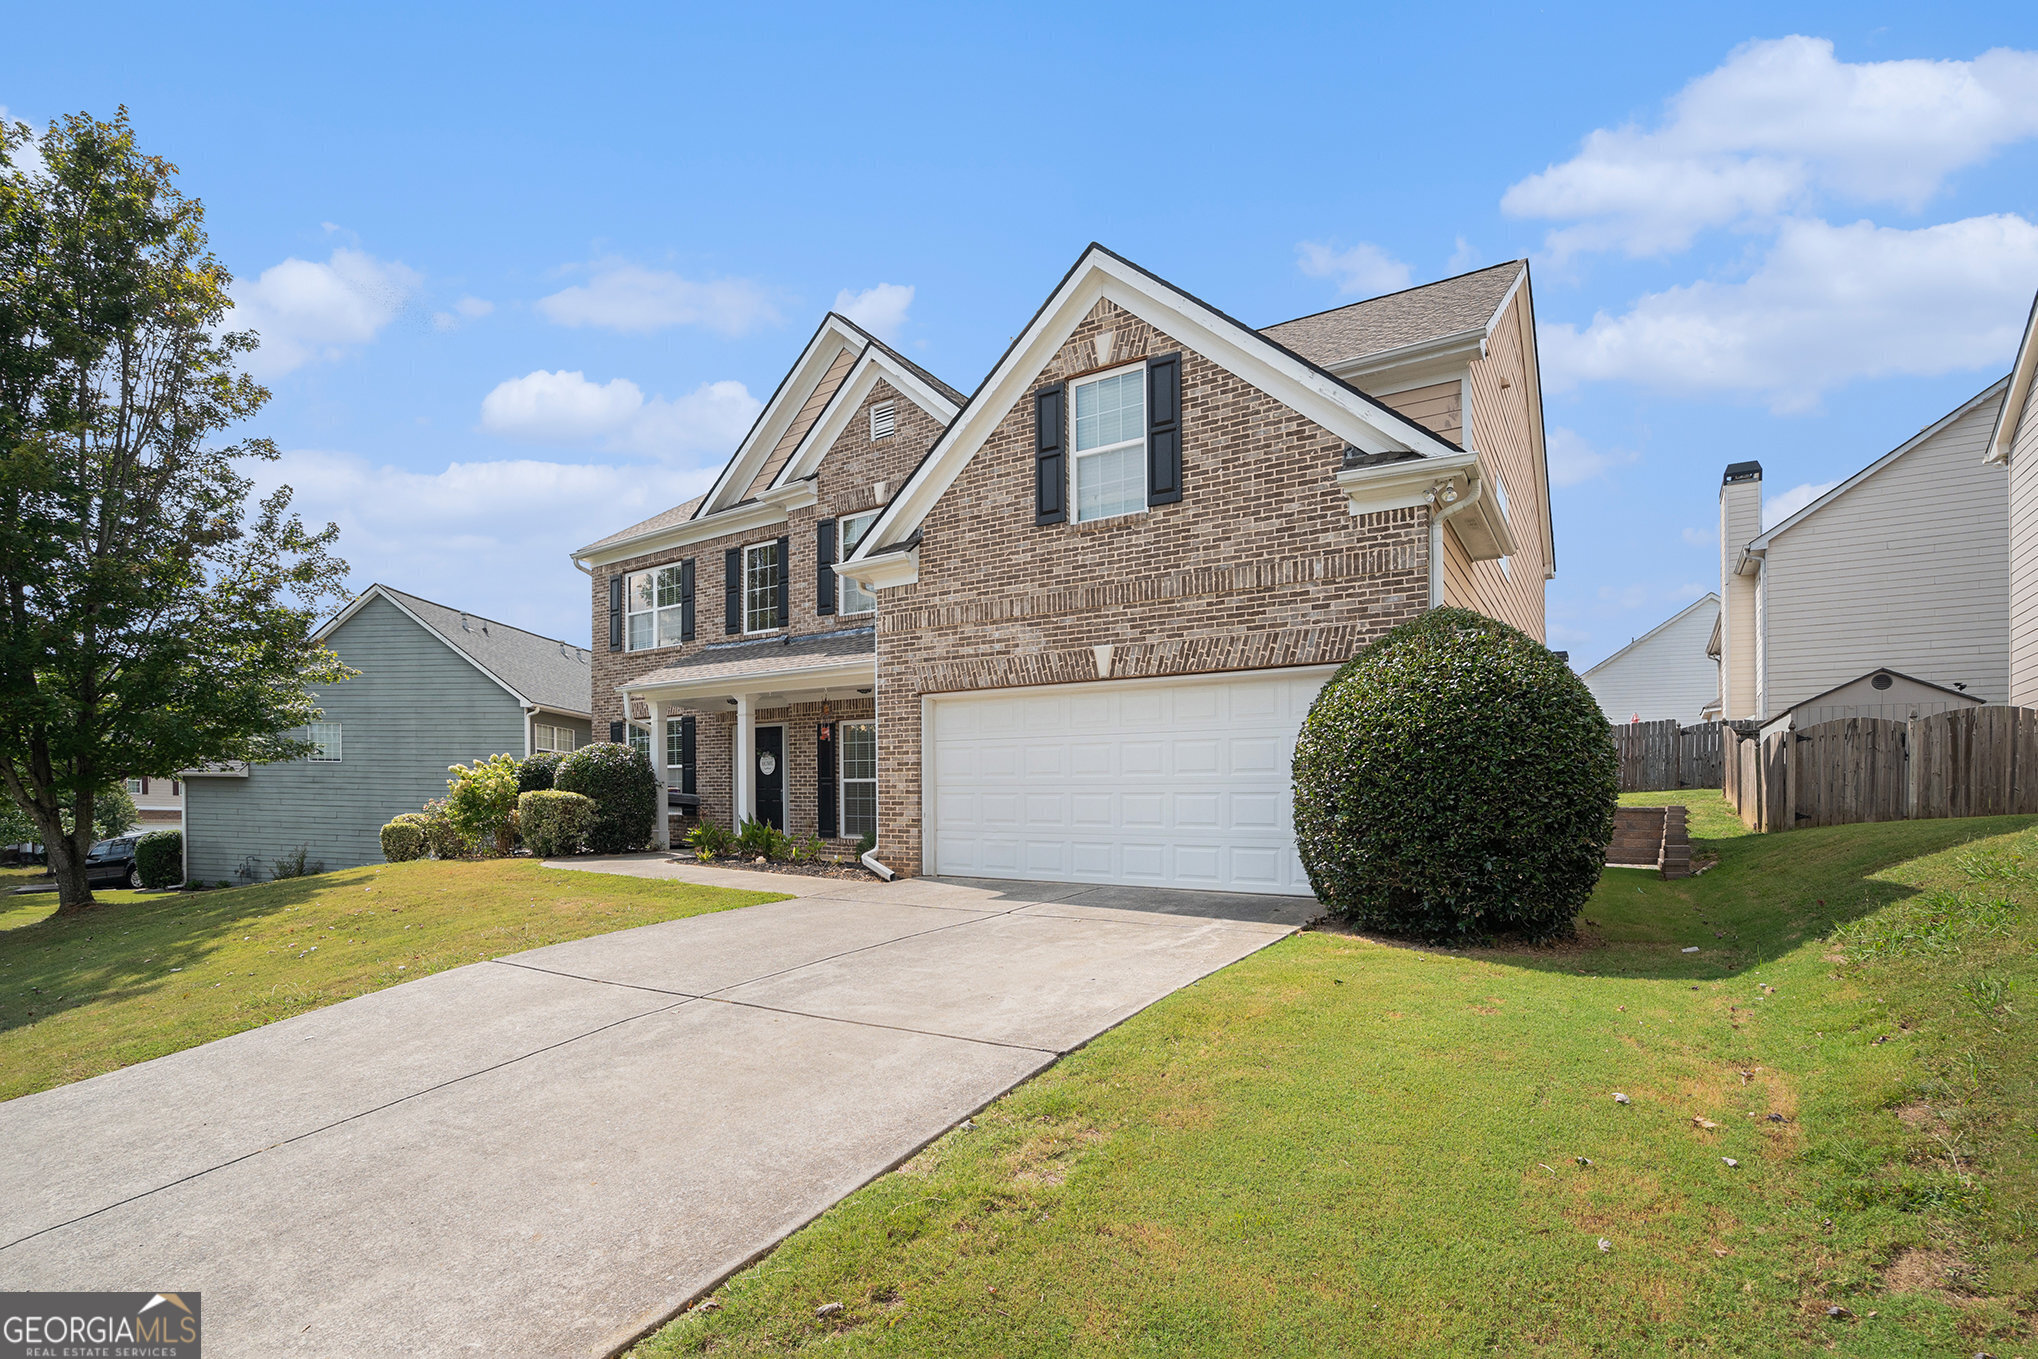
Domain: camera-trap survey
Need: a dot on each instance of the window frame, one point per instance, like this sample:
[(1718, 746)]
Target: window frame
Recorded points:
[(557, 733), (843, 547), (327, 751), (778, 624), (674, 735), (637, 736), (843, 780), (654, 611), (1139, 440)]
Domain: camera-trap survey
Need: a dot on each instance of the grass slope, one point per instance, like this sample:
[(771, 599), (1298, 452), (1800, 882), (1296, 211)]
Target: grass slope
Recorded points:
[(151, 973), (1342, 1146)]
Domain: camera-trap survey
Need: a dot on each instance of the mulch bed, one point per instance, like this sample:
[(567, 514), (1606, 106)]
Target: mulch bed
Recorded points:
[(853, 871)]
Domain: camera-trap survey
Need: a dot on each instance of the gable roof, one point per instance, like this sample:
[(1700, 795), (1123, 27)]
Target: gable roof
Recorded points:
[(1098, 275), (1760, 543), (937, 398), (678, 514), (2023, 373), (537, 671), (1882, 670), (1708, 600), (1413, 316)]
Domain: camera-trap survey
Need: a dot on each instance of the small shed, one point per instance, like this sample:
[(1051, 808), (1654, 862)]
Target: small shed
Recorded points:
[(1879, 693)]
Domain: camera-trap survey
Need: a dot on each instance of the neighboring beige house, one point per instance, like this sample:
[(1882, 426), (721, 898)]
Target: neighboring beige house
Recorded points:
[(158, 802), (1664, 673), (1068, 627), (2014, 442), (1902, 567)]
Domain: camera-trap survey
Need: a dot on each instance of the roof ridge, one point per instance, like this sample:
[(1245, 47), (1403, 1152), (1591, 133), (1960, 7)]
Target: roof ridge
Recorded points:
[(469, 613), (1521, 261)]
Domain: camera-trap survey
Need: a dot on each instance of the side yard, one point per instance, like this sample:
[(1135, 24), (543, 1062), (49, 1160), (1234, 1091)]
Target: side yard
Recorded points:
[(152, 973), (1346, 1146)]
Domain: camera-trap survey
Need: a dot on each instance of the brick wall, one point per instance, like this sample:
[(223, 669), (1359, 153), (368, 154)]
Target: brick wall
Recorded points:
[(1260, 565)]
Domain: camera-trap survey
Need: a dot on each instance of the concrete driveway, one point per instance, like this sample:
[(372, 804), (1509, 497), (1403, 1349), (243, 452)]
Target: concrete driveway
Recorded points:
[(549, 1153)]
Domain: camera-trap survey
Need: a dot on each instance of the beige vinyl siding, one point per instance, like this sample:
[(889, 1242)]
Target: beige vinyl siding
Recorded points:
[(1662, 674), (1439, 406), (2023, 513), (1908, 569), (817, 401), (1740, 524), (1460, 591), (1500, 431)]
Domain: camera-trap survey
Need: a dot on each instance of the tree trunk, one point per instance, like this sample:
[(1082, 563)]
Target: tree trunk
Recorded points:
[(67, 862)]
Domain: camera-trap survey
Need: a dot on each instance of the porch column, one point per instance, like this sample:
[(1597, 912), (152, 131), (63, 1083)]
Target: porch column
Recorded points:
[(743, 763), (661, 827)]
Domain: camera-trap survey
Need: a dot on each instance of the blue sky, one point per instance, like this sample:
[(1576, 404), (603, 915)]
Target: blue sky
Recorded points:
[(523, 274)]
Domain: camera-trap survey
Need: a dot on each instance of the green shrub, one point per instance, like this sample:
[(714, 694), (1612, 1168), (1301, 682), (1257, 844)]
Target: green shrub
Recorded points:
[(159, 858), (404, 839), (442, 837), (755, 838), (539, 772), (865, 843), (709, 840), (554, 823), (624, 789), (1455, 779), (297, 864), (481, 800)]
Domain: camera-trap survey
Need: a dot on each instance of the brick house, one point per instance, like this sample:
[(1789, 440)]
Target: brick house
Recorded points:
[(1068, 627)]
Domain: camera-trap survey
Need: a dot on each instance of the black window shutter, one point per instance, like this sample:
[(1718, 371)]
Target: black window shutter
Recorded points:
[(824, 567), (616, 732), (1050, 458), (732, 577), (615, 613), (686, 600), (686, 756), (1164, 429), (785, 582), (824, 742)]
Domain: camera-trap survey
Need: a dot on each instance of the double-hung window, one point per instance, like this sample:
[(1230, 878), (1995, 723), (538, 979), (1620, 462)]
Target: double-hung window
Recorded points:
[(325, 741), (652, 599), (853, 598), (859, 779), (762, 571), (1110, 445)]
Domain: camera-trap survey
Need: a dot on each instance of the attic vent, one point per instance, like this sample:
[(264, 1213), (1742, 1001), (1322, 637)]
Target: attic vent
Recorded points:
[(883, 420), (1881, 682)]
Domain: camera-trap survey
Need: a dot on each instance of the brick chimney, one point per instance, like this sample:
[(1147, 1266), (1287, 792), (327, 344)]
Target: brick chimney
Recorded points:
[(1740, 522)]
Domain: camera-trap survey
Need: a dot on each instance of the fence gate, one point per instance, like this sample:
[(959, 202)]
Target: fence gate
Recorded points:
[(1848, 771)]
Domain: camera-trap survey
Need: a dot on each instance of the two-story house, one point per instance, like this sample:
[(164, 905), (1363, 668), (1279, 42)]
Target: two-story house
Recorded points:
[(1068, 627)]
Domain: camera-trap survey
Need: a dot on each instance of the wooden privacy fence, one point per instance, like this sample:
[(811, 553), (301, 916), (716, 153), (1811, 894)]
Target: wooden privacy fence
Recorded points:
[(1969, 762), (1667, 754)]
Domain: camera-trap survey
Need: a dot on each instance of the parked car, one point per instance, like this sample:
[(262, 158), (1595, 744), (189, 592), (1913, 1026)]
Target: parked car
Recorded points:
[(110, 863)]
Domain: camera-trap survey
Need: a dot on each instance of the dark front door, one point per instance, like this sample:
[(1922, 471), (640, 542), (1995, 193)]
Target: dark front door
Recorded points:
[(771, 776)]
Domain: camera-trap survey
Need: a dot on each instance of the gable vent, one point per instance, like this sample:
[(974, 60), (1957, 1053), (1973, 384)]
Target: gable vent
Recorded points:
[(884, 419)]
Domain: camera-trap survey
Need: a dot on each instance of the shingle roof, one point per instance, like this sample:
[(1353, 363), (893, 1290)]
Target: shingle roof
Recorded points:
[(678, 514), (545, 670), (1404, 318), (917, 371), (768, 656)]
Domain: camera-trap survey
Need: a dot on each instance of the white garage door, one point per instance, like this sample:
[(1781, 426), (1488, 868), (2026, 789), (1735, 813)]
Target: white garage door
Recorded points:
[(1181, 783)]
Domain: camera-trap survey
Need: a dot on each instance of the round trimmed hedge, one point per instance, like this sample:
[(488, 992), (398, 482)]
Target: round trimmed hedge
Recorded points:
[(624, 789), (538, 772), (159, 858), (1455, 780)]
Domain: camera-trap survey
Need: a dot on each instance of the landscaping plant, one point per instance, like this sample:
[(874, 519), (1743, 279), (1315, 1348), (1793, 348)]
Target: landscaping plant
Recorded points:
[(481, 801), (709, 840), (298, 863), (624, 789), (1455, 780), (758, 839), (539, 771), (554, 823), (442, 837), (403, 839), (159, 858)]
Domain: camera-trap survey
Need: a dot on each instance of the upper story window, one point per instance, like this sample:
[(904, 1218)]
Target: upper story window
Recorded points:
[(1110, 445), (853, 597), (762, 571), (325, 740), (654, 601), (884, 419)]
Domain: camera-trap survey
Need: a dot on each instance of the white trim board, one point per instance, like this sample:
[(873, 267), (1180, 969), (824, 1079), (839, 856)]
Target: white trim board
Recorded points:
[(848, 398), (2023, 373)]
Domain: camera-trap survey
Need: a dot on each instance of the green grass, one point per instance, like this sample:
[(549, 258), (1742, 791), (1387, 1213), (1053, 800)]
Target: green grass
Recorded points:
[(148, 973), (1339, 1146)]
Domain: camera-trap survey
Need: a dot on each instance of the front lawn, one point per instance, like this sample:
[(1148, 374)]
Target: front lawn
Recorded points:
[(1346, 1147), (153, 972)]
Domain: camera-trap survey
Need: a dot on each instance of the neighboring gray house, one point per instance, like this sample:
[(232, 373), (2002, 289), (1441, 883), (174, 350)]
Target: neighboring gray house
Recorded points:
[(437, 687)]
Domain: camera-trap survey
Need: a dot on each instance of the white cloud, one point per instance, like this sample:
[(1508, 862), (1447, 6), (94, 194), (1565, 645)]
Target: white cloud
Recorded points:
[(1573, 460), (1464, 258), (567, 408), (1777, 123), (880, 310), (466, 309), (630, 298), (1363, 269), (304, 310), (1826, 306), (1699, 537), (1777, 508), (488, 537)]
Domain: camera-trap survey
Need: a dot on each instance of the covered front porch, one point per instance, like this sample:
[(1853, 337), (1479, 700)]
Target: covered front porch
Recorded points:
[(766, 740)]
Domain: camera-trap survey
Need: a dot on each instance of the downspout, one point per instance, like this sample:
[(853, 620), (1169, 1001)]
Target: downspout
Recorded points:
[(1474, 491), (869, 857)]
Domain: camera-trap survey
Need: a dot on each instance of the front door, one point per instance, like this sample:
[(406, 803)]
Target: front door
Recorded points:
[(771, 776)]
